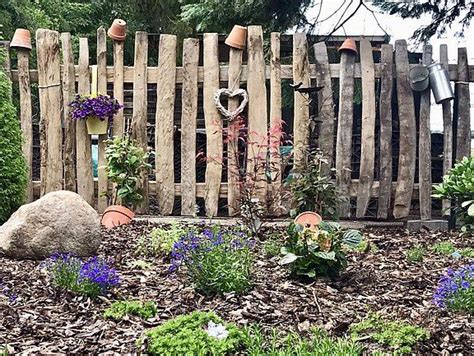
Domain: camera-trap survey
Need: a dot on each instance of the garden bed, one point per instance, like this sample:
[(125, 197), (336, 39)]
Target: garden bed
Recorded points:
[(45, 319)]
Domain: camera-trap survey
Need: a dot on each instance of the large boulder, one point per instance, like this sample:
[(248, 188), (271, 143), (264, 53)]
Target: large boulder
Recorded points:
[(58, 222)]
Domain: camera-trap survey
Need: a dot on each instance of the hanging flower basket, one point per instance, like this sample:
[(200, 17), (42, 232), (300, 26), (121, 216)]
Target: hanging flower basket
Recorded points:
[(97, 110)]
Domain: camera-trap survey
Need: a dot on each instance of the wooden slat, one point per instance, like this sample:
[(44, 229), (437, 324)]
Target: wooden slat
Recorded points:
[(447, 129), (26, 116), (164, 124), (406, 117), (85, 187), (257, 112), (102, 89), (463, 145), (385, 111), (367, 160), (424, 146), (301, 101), (214, 144), (233, 198), (138, 126), (326, 104), (119, 120), (69, 91), (344, 129), (188, 126), (276, 122), (49, 84)]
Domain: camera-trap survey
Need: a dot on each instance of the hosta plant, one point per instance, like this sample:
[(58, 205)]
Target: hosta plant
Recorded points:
[(318, 252)]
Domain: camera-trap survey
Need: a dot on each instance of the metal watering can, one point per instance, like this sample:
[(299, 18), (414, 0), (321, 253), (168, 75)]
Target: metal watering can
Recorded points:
[(439, 80)]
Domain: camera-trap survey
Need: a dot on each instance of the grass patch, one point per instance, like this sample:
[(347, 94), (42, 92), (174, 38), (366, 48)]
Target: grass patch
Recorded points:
[(119, 309)]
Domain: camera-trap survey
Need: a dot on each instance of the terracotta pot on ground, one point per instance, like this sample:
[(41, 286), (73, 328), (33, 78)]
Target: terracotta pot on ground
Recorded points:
[(116, 215), (96, 126), (117, 31), (349, 45), (21, 39), (309, 220), (237, 37)]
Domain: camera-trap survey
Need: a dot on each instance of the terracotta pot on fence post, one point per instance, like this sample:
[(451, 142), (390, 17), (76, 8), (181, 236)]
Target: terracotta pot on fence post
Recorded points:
[(349, 45), (21, 39), (237, 37), (116, 215), (117, 31)]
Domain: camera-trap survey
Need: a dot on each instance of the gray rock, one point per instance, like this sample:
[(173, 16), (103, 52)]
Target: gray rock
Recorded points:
[(60, 221)]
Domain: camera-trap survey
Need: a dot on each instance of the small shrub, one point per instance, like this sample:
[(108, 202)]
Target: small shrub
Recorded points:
[(318, 252), (197, 333), (13, 169), (91, 278), (398, 335), (458, 187), (456, 290), (119, 309), (415, 254), (160, 241), (217, 260)]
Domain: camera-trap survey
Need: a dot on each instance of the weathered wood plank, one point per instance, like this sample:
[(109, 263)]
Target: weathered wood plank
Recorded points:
[(102, 198), (257, 112), (139, 118), (188, 126), (406, 116), (463, 144), (301, 74), (367, 160), (326, 104), (447, 129), (344, 129), (69, 91), (26, 116), (233, 197), (49, 84), (164, 124), (385, 111), (85, 182), (275, 124), (214, 144), (424, 146), (119, 120)]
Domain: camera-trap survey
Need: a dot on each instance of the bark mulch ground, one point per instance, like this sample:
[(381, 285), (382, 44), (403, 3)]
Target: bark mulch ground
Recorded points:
[(43, 319)]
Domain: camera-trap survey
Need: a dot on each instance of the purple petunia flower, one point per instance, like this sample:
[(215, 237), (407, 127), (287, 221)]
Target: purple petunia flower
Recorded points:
[(103, 107)]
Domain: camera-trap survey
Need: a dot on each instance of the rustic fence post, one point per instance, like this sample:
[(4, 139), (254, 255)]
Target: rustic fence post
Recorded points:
[(164, 131), (49, 84), (463, 148), (119, 120), (102, 186)]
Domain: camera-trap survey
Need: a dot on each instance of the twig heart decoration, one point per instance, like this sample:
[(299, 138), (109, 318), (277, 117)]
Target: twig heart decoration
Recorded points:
[(231, 115)]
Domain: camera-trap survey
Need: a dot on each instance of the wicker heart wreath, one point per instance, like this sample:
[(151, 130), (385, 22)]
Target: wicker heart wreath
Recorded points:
[(231, 115)]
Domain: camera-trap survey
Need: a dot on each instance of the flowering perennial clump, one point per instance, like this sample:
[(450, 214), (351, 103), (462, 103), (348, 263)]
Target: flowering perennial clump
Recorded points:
[(456, 290), (100, 106), (92, 278), (217, 260)]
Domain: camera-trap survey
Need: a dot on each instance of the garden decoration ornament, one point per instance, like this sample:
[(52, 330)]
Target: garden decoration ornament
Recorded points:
[(440, 85), (21, 39), (237, 37), (419, 78), (309, 219), (117, 31), (231, 115)]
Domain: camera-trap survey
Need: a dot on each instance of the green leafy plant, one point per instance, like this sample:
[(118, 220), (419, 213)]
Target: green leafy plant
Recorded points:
[(448, 248), (140, 264), (318, 252), (458, 187), (13, 169), (272, 246), (125, 163), (415, 254), (313, 190), (121, 308), (400, 336), (160, 241), (198, 333)]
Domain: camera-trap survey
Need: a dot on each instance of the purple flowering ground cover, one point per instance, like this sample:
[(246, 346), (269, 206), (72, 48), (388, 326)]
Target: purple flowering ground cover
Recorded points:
[(36, 317)]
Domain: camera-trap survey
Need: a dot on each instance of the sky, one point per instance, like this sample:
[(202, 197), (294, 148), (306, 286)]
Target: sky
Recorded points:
[(363, 23)]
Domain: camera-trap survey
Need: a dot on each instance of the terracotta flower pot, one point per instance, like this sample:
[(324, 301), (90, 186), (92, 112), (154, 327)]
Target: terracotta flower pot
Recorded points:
[(118, 29), (21, 39), (309, 220), (237, 37), (349, 45), (116, 215), (96, 126)]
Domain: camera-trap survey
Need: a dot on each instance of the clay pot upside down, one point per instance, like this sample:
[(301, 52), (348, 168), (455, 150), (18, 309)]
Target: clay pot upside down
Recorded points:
[(117, 31), (237, 37), (116, 215), (349, 46), (21, 39)]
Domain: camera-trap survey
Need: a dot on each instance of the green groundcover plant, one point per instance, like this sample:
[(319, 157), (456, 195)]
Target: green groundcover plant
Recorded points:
[(13, 169), (160, 241), (119, 309)]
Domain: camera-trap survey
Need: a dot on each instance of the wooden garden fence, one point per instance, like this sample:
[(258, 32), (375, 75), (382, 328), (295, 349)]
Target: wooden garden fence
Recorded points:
[(66, 157)]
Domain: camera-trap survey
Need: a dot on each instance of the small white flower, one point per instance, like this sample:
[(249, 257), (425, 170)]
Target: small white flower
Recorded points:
[(216, 330)]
